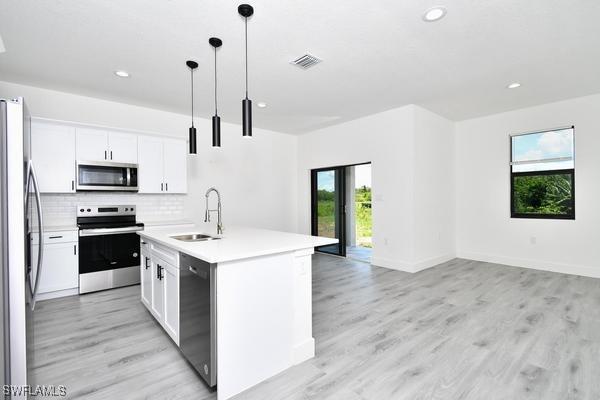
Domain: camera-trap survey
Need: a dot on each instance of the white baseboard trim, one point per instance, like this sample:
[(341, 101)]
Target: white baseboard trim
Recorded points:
[(582, 270), (412, 267), (432, 262), (303, 351), (391, 264), (58, 293)]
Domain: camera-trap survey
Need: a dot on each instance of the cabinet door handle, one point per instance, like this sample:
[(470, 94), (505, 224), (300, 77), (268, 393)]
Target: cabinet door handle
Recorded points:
[(111, 154), (161, 187), (72, 185), (147, 266), (105, 154), (55, 237), (74, 249), (167, 187)]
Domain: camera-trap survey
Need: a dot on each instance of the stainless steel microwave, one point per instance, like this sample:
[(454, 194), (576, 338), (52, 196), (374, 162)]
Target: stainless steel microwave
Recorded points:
[(106, 176)]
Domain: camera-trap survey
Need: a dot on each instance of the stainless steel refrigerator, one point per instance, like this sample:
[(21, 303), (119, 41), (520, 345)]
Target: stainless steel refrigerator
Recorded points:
[(21, 219)]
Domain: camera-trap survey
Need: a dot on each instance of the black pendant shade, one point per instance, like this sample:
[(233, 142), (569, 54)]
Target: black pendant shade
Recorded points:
[(216, 131), (192, 140), (192, 65), (246, 10), (247, 117), (216, 120)]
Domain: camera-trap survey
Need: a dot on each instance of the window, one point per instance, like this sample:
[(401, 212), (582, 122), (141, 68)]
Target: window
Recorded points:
[(543, 174)]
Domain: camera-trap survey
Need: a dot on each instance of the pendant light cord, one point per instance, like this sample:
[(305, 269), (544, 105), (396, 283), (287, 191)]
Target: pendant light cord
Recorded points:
[(216, 112), (192, 72), (246, 29)]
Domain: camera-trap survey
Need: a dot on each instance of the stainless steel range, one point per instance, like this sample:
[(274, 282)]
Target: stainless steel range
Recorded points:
[(109, 248)]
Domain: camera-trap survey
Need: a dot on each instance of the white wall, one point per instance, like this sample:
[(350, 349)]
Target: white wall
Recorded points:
[(390, 141), (485, 230), (257, 176), (434, 186)]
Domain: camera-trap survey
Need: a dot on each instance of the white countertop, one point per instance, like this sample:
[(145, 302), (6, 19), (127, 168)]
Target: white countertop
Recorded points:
[(236, 243), (59, 228), (164, 223)]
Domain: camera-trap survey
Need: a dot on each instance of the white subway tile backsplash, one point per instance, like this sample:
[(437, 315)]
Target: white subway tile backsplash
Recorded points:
[(60, 209)]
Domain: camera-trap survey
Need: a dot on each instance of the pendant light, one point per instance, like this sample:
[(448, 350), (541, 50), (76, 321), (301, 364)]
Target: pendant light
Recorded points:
[(246, 11), (216, 120), (192, 65)]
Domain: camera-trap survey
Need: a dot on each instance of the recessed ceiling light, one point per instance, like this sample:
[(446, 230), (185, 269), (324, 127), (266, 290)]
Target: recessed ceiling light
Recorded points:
[(434, 14), (122, 74), (513, 85), (261, 104)]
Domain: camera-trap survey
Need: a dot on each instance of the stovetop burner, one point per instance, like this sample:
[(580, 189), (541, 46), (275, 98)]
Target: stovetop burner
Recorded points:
[(91, 217)]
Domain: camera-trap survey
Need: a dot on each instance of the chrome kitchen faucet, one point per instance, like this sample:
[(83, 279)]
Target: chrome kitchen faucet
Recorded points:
[(218, 210)]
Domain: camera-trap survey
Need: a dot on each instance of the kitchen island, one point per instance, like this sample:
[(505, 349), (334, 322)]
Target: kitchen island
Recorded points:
[(261, 300)]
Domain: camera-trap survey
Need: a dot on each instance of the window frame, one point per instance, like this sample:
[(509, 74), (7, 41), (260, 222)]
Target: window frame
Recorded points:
[(513, 175)]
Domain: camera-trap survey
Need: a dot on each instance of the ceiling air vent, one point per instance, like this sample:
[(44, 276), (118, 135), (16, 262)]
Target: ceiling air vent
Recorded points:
[(306, 61)]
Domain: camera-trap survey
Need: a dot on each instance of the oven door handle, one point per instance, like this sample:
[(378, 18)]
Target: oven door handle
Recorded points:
[(109, 231)]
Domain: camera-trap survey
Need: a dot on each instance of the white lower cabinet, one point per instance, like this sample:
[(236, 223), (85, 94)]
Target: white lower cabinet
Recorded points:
[(158, 290), (160, 286), (171, 282), (146, 274), (60, 265)]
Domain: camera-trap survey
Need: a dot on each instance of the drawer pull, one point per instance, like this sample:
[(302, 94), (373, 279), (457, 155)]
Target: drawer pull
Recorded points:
[(55, 237)]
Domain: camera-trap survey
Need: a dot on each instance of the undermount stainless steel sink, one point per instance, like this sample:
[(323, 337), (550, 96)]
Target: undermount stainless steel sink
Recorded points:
[(194, 237)]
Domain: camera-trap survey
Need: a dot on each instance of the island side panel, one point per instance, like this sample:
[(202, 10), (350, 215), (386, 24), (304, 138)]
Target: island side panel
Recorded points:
[(303, 342), (255, 313)]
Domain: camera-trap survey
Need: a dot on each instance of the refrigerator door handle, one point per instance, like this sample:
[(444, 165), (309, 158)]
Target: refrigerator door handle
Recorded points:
[(32, 178)]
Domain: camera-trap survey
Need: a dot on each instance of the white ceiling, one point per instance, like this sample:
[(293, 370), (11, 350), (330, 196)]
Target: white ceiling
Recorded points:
[(377, 54)]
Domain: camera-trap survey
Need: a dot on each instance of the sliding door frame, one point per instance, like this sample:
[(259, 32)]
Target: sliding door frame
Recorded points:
[(341, 215), (340, 207)]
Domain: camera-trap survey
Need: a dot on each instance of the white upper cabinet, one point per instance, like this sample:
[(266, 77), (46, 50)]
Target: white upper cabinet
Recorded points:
[(57, 147), (122, 147), (101, 145), (92, 144), (53, 154), (174, 162), (150, 164), (162, 165)]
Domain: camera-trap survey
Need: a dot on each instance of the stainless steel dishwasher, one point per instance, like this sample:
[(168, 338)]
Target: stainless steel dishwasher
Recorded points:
[(198, 316)]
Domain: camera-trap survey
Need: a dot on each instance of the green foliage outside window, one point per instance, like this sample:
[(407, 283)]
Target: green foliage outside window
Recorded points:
[(543, 194), (364, 219)]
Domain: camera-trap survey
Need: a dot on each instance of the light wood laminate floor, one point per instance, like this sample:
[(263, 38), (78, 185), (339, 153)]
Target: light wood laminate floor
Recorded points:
[(461, 330)]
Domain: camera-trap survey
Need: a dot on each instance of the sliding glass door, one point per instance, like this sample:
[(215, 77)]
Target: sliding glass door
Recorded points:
[(328, 207)]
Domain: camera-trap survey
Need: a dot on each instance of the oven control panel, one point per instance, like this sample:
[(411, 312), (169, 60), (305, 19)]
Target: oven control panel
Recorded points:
[(108, 211)]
